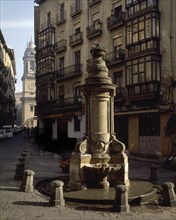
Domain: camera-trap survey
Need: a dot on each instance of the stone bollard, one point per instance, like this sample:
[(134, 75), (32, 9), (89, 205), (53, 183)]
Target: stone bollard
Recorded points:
[(57, 195), (169, 197), (121, 199), (175, 183), (27, 182), (153, 173), (19, 170)]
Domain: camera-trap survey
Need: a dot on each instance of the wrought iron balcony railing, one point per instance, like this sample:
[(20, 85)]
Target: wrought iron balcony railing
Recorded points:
[(70, 71), (143, 91), (60, 17), (115, 20), (115, 57), (68, 101), (76, 39), (46, 25), (46, 51), (94, 30), (60, 46)]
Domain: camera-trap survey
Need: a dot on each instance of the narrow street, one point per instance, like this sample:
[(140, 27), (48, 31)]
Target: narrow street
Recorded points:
[(17, 205)]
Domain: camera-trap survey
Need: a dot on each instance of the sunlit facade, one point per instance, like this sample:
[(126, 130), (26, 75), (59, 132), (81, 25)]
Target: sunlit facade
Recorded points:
[(139, 37)]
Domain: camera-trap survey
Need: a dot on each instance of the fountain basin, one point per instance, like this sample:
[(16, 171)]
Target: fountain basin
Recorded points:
[(140, 192)]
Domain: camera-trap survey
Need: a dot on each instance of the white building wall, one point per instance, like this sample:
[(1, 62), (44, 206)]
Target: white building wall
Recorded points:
[(76, 134)]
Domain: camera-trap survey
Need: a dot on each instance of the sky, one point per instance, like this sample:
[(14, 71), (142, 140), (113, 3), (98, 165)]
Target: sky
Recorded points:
[(17, 26)]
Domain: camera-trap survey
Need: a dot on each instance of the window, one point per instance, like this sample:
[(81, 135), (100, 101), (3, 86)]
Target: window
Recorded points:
[(117, 44), (146, 69), (61, 94), (149, 124), (48, 19), (62, 11), (143, 34), (77, 30), (61, 66), (77, 123), (31, 108), (118, 83), (142, 28), (77, 5), (134, 6), (117, 11), (96, 24), (118, 79), (77, 60)]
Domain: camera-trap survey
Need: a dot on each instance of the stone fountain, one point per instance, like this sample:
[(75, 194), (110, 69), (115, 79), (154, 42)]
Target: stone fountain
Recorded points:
[(99, 165), (99, 160)]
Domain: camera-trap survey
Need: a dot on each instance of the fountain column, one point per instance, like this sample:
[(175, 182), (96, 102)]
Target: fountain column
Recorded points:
[(99, 150)]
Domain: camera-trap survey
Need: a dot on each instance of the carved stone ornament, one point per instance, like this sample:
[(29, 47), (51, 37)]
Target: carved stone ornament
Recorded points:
[(81, 147), (97, 50)]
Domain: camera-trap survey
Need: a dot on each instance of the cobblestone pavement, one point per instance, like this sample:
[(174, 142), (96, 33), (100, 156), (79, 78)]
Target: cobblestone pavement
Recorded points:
[(17, 205)]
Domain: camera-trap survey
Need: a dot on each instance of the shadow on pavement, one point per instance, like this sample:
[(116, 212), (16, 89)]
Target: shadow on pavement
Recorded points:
[(9, 189), (27, 203)]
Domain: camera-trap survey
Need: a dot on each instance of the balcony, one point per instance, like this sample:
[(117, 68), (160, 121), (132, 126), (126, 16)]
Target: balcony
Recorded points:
[(150, 45), (93, 2), (46, 51), (115, 57), (76, 39), (47, 25), (60, 17), (70, 71), (60, 46), (75, 9), (45, 78), (94, 30), (143, 91), (68, 104), (115, 20)]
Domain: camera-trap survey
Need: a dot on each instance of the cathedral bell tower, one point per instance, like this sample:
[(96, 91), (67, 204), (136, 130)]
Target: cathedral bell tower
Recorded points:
[(28, 86)]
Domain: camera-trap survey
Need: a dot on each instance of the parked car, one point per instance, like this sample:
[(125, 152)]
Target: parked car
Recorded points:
[(2, 134), (8, 130)]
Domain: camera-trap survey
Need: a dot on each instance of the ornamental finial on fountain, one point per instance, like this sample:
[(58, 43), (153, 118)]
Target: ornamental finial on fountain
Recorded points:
[(98, 50)]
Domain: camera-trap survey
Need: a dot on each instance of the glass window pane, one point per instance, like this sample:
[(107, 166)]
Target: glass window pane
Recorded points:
[(137, 48), (137, 89), (143, 46), (148, 71), (135, 78), (141, 25), (153, 27), (141, 77), (131, 11), (148, 28), (158, 71), (135, 28), (135, 69), (150, 3), (141, 35), (141, 67), (129, 35), (135, 37), (150, 44), (136, 8), (157, 28), (143, 5)]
